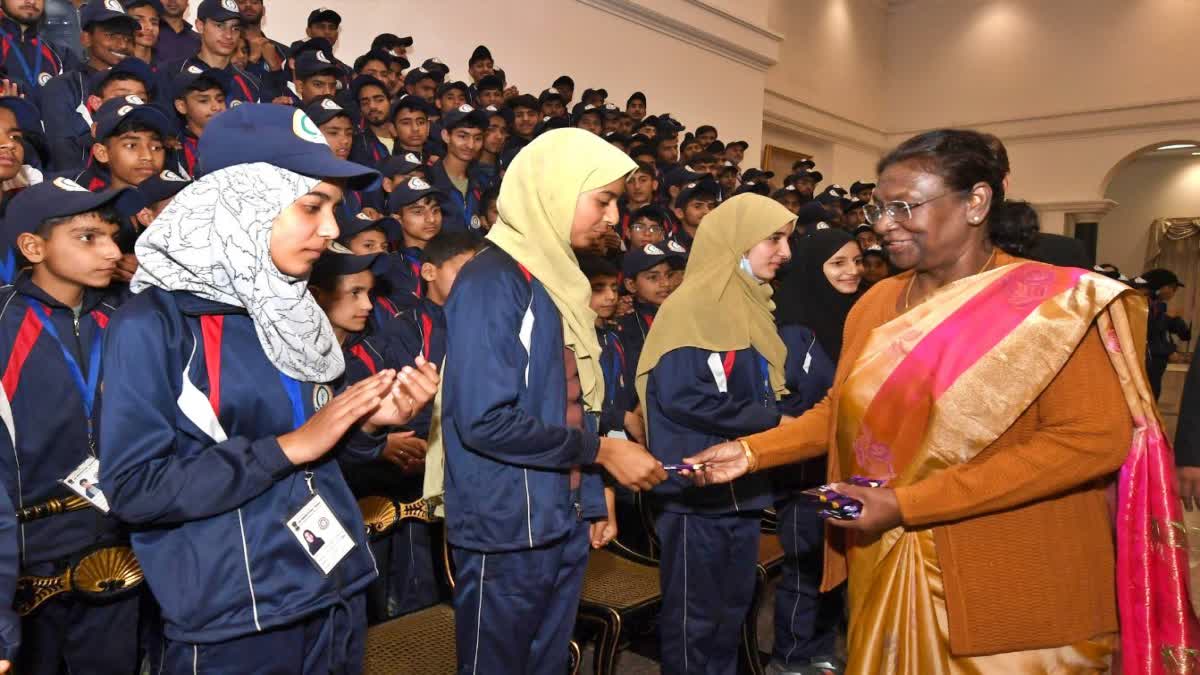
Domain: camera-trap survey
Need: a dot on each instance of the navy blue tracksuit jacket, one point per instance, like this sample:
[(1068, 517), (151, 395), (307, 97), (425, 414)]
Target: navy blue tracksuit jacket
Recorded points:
[(459, 209), (212, 492)]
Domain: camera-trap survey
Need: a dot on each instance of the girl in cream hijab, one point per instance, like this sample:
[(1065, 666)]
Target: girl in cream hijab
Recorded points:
[(522, 388), (711, 369)]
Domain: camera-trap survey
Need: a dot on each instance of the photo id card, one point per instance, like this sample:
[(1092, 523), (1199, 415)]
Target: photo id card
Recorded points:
[(83, 482), (320, 534)]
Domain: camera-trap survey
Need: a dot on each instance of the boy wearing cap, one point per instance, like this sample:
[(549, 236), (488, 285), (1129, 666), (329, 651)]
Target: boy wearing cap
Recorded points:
[(128, 145), (805, 182), (480, 65), (69, 101), (649, 226), (422, 83), (862, 191), (635, 107), (666, 150), (565, 87), (605, 280), (66, 241), (198, 98), (315, 75), (456, 176), (694, 202), (736, 151), (488, 91), (788, 198), (28, 60), (875, 266), (588, 117), (417, 206), (526, 114), (647, 273), (553, 103), (640, 188), (495, 138), (342, 284), (220, 24), (866, 237), (334, 123), (17, 116)]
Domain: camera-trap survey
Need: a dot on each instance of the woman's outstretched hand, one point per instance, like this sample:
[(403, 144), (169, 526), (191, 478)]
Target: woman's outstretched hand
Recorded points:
[(880, 511), (722, 464)]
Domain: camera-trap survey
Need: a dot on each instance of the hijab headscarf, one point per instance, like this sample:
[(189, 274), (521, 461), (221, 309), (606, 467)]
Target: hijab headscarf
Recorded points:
[(213, 240), (807, 298), (720, 307), (536, 208)]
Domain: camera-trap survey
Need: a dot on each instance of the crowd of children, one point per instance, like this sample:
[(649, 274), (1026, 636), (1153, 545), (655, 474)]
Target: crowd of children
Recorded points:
[(216, 215)]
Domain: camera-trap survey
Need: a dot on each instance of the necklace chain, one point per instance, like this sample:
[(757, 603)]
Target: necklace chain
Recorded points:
[(911, 281)]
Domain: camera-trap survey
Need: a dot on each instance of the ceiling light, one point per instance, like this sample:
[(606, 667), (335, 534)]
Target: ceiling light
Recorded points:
[(1177, 146)]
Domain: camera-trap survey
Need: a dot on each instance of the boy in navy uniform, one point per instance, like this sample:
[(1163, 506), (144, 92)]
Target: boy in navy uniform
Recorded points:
[(129, 144), (417, 206), (494, 141), (71, 102), (327, 24), (54, 318), (635, 107), (10, 623), (456, 175), (362, 235), (421, 82), (605, 280), (334, 122), (342, 283), (376, 139), (27, 59), (220, 29), (526, 113), (315, 75), (553, 103), (694, 202), (410, 122), (647, 273), (199, 95), (479, 65), (489, 90)]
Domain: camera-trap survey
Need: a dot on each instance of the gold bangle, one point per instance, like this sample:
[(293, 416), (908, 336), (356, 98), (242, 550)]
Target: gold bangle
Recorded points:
[(751, 458)]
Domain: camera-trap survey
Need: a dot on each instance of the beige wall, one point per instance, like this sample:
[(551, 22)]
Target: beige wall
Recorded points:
[(976, 61), (1146, 189), (656, 46)]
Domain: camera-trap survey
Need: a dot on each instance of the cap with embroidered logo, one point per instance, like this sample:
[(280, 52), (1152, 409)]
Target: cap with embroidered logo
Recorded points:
[(323, 108), (350, 227), (162, 185), (399, 165), (465, 115), (218, 10), (641, 259), (57, 198), (278, 135), (339, 261), (314, 62), (409, 191), (109, 12), (324, 15), (116, 110)]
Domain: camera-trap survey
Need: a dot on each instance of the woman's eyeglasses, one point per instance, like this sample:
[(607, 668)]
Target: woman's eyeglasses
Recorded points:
[(898, 211)]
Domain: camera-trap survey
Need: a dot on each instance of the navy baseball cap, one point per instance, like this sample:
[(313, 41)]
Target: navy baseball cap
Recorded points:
[(401, 164), (339, 261), (58, 198), (681, 175), (435, 66), (218, 10), (704, 186), (525, 101), (550, 124), (499, 111), (193, 73), (549, 94), (858, 186), (313, 62), (636, 96), (323, 108), (487, 82), (447, 86), (463, 115), (156, 5), (278, 135), (116, 110), (753, 187), (409, 191), (351, 226), (27, 114), (321, 14), (581, 109), (417, 74), (812, 213), (875, 251), (411, 102), (677, 252), (641, 259), (317, 44), (106, 11), (814, 176), (802, 165), (757, 175), (131, 65), (389, 41), (163, 185)]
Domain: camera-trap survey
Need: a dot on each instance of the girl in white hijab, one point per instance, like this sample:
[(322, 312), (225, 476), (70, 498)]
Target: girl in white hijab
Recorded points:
[(220, 424)]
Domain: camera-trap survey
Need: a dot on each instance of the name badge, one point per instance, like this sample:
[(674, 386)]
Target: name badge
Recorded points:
[(320, 534), (84, 481)]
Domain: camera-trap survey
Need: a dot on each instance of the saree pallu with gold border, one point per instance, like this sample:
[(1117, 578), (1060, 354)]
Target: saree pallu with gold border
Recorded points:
[(935, 386)]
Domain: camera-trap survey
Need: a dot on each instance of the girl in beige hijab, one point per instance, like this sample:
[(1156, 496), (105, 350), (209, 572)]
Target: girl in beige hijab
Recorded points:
[(711, 369), (523, 388)]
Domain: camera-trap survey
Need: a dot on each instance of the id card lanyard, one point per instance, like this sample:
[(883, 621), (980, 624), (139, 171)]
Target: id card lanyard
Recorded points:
[(87, 387)]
